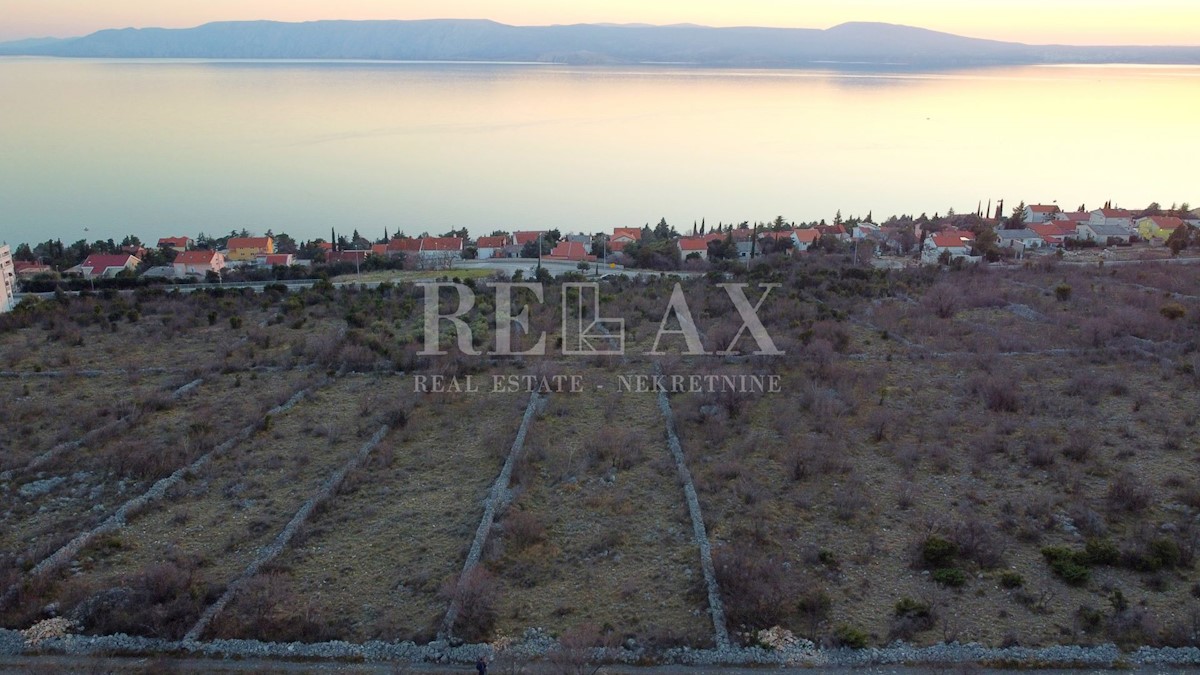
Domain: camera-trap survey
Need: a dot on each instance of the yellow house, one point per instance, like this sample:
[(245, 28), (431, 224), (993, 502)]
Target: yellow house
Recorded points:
[(1158, 227), (246, 249)]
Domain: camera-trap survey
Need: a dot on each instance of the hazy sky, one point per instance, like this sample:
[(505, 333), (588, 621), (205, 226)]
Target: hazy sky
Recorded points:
[(1175, 22)]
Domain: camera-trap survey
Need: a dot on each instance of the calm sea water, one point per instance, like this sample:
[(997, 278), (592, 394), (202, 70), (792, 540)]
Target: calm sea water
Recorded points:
[(170, 147)]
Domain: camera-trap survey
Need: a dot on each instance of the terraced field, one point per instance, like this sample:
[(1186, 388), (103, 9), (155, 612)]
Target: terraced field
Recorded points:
[(948, 456)]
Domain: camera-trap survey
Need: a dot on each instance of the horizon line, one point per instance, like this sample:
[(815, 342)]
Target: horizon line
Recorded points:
[(607, 23)]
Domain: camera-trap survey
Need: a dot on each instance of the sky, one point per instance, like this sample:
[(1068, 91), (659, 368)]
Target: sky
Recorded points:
[(1110, 22)]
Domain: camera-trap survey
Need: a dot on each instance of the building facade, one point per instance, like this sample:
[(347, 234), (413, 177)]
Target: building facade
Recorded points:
[(246, 249), (8, 279)]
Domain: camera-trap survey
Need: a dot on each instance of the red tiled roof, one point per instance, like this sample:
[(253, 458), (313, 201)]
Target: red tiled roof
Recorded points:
[(27, 267), (634, 233), (1051, 229), (174, 242), (441, 244), (694, 243), (522, 238), (100, 262), (1167, 222), (831, 229), (404, 244), (325, 245), (570, 250), (492, 242), (1116, 213), (950, 240), (278, 259), (336, 256), (195, 257), (807, 236), (379, 249), (247, 242), (1043, 208)]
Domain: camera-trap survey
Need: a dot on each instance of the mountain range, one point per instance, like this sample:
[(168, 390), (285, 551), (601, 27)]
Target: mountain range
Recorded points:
[(849, 44)]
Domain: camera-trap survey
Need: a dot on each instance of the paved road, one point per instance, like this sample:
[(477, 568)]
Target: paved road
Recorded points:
[(528, 266)]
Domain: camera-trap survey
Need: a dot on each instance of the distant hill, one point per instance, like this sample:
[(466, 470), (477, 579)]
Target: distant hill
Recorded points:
[(478, 40)]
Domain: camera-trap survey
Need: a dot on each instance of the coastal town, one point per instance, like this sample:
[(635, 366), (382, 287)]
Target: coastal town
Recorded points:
[(1029, 231)]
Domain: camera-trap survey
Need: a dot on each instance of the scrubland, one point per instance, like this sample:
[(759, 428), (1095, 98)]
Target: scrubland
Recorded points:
[(1006, 457)]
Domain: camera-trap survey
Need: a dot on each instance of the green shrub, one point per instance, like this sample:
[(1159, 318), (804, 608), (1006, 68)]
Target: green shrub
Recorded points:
[(1157, 555), (1062, 292), (1099, 552), (1011, 580), (938, 553), (1091, 620), (907, 607), (1065, 565), (950, 576), (911, 617), (850, 637), (235, 322), (827, 558)]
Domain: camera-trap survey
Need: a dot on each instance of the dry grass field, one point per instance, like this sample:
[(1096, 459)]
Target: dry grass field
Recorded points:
[(1008, 457)]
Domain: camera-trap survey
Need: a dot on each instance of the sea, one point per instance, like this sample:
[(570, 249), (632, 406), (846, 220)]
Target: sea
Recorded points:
[(93, 149)]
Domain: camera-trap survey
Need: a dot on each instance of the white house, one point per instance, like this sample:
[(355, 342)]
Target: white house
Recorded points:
[(492, 247), (1102, 233), (957, 242), (198, 263), (440, 252), (105, 265), (8, 279), (865, 231), (1113, 218), (1054, 232), (694, 245), (804, 239), (1019, 239), (1073, 218), (1040, 213)]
